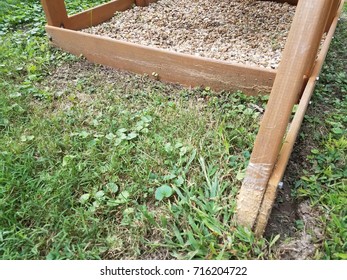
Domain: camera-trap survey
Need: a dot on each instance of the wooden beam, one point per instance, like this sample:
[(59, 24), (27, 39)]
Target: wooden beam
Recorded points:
[(144, 3), (333, 11), (57, 16), (297, 62), (97, 15), (276, 177), (55, 12), (292, 2), (170, 66)]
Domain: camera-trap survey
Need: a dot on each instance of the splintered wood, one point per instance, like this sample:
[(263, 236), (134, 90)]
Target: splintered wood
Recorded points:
[(244, 31)]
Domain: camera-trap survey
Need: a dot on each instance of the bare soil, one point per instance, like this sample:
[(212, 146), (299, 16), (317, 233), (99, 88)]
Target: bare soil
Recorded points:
[(296, 221)]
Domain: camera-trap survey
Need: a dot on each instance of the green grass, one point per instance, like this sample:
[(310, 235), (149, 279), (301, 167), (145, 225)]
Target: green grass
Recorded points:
[(95, 163), (325, 182), (115, 147), (85, 151)]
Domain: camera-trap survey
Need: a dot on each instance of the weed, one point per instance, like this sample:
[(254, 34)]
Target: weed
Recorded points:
[(100, 164), (324, 184)]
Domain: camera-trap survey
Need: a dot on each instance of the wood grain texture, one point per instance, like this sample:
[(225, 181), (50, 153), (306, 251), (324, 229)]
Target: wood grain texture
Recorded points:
[(170, 66), (144, 3), (292, 2), (288, 144), (55, 12), (332, 14), (97, 14), (297, 63)]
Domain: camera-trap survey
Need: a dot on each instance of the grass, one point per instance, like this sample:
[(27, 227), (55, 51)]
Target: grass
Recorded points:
[(324, 182), (95, 163)]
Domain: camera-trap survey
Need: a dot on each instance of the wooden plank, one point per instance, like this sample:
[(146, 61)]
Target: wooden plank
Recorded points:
[(170, 66), (334, 10), (97, 15), (55, 12), (276, 177), (292, 2), (297, 62), (144, 3)]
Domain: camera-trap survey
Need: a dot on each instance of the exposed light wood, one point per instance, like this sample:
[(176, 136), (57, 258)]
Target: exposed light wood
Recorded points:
[(295, 75), (287, 148), (170, 66), (297, 62)]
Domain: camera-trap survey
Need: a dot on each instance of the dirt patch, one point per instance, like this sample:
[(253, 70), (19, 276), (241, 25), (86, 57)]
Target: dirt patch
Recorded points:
[(298, 224), (283, 215), (296, 221), (303, 245)]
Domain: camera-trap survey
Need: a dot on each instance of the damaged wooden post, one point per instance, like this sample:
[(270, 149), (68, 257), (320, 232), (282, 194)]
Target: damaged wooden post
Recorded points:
[(296, 65), (294, 77), (277, 174)]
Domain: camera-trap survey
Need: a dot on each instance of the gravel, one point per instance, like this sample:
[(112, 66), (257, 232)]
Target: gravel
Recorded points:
[(244, 31)]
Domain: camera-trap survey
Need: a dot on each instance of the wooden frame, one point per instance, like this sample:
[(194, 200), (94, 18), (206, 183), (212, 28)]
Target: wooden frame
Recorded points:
[(170, 66), (293, 80), (298, 70)]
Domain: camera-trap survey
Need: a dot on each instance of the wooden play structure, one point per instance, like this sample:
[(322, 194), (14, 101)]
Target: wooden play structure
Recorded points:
[(293, 82)]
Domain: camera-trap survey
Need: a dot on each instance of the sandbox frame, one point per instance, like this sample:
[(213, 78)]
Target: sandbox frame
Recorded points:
[(293, 82)]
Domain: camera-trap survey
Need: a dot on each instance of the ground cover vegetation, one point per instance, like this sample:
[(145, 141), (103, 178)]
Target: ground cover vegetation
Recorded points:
[(96, 163)]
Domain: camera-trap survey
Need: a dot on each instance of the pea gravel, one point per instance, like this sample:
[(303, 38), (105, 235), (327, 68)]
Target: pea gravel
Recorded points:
[(244, 31)]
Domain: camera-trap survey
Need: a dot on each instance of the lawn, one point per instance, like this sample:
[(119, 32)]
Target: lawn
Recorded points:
[(97, 163)]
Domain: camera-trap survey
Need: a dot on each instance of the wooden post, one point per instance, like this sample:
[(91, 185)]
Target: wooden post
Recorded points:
[(55, 11), (332, 14), (277, 174), (297, 62)]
